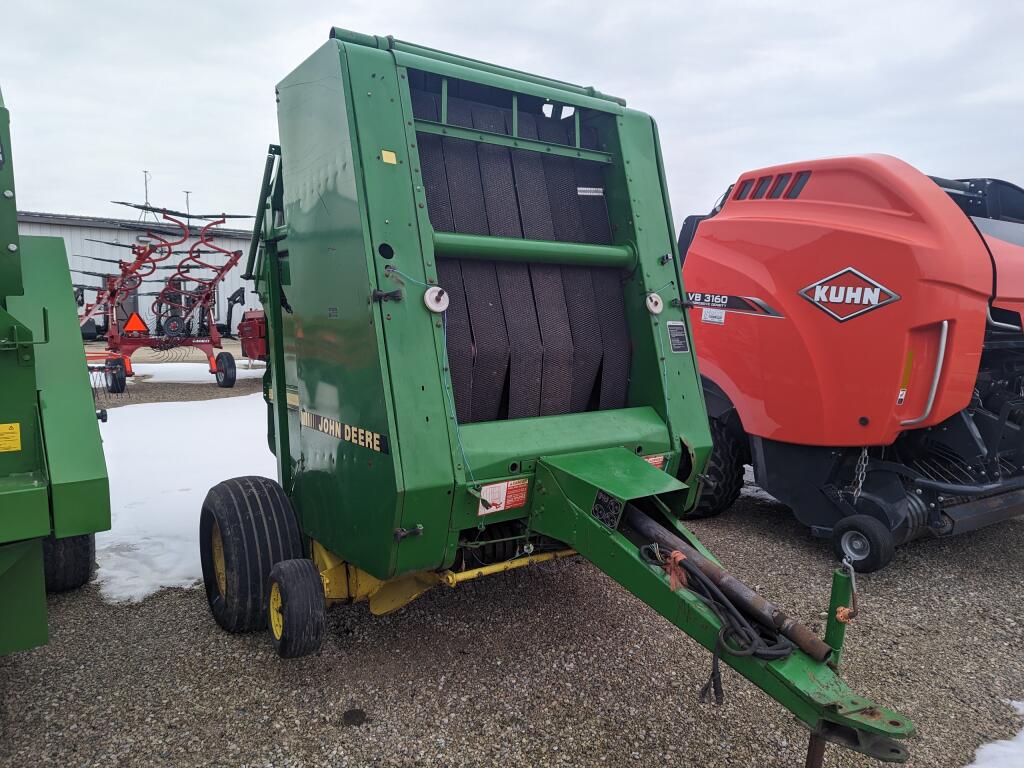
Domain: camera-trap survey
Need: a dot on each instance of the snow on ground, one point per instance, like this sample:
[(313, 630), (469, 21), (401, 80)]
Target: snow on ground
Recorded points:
[(752, 490), (191, 373), (162, 458), (1008, 753)]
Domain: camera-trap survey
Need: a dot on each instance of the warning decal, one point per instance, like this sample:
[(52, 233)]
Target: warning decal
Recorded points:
[(677, 336), (10, 437), (657, 460), (510, 494)]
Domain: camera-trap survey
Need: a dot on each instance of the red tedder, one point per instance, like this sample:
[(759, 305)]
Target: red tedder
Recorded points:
[(183, 308)]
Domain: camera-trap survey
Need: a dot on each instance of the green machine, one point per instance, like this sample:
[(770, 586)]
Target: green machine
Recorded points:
[(53, 479), (479, 360)]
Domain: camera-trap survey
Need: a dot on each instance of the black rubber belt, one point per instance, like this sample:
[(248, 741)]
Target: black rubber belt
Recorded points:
[(548, 294), (580, 301), (483, 298), (611, 309), (458, 336), (524, 341)]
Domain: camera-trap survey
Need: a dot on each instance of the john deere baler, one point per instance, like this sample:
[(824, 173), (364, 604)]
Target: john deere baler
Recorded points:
[(478, 360), (53, 480)]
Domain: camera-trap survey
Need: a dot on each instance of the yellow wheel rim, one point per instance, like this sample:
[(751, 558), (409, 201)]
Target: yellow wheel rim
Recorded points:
[(276, 618), (217, 546)]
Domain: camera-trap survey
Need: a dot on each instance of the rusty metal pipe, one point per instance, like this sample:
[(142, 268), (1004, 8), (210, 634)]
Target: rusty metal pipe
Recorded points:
[(751, 603)]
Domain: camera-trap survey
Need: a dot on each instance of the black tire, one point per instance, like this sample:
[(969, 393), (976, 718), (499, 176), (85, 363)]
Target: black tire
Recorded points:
[(724, 472), (68, 563), (116, 376), (865, 540), (296, 611), (225, 370), (256, 528)]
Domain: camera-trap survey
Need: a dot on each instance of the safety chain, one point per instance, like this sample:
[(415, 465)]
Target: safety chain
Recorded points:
[(859, 473)]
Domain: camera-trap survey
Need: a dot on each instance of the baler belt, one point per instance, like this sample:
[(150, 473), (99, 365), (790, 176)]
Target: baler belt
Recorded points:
[(550, 339), (517, 300), (483, 297), (548, 293), (611, 308), (581, 304), (458, 336)]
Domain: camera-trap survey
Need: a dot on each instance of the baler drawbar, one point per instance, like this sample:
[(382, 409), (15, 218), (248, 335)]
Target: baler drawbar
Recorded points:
[(479, 359)]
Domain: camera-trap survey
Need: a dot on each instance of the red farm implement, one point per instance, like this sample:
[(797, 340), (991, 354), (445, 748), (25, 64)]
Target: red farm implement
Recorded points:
[(184, 302)]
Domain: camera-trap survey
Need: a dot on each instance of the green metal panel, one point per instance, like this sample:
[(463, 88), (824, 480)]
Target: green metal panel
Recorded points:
[(24, 505), (23, 596), (346, 495), (10, 261), (79, 493), (52, 474), (543, 251)]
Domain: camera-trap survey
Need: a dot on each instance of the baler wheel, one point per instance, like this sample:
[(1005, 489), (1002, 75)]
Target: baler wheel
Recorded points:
[(296, 611), (865, 541), (246, 526), (225, 370), (69, 562), (724, 473)]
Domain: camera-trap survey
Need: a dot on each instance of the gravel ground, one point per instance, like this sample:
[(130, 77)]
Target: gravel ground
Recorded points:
[(548, 666), (554, 665)]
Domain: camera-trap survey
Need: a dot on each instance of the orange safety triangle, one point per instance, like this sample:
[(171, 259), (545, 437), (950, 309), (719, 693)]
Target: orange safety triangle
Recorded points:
[(136, 323)]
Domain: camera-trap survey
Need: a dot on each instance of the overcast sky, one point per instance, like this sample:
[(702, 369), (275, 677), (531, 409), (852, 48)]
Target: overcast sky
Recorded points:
[(101, 90)]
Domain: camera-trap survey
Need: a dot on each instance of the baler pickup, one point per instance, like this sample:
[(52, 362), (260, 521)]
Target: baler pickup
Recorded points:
[(478, 359)]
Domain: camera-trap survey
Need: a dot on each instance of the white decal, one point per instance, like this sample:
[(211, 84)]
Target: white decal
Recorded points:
[(713, 316)]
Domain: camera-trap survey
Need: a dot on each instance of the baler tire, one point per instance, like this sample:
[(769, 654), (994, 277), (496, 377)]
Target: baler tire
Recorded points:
[(68, 563), (225, 370), (868, 531), (724, 472), (246, 527), (296, 611)]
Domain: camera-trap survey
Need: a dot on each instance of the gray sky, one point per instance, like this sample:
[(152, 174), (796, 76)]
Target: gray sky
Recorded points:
[(101, 90)]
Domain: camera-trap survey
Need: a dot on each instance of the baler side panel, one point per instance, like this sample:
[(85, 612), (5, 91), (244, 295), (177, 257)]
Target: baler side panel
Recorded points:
[(24, 505), (792, 375), (79, 493), (345, 493), (412, 334)]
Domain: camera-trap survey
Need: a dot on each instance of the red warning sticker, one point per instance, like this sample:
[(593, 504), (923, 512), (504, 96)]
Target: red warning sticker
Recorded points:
[(509, 494), (657, 460)]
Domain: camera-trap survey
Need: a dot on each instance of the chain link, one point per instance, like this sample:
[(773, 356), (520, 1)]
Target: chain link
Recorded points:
[(859, 473)]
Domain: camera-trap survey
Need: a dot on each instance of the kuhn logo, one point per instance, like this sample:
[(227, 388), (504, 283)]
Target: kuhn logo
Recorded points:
[(847, 294)]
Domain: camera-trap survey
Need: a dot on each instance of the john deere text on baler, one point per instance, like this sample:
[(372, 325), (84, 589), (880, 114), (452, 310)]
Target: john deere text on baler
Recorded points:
[(859, 331), (478, 361), (53, 480)]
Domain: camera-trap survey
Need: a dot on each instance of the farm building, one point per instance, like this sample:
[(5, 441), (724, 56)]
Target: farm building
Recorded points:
[(90, 238)]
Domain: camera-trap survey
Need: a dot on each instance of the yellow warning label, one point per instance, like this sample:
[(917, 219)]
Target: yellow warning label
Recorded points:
[(389, 157), (10, 437)]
